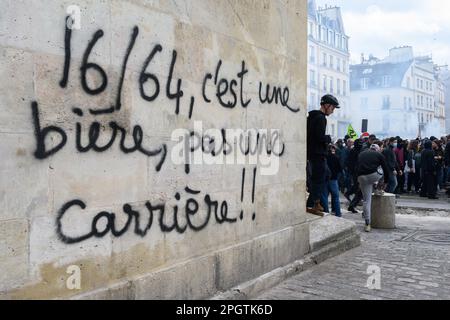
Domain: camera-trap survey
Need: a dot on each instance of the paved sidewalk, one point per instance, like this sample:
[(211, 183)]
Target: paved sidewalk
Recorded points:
[(414, 261), (414, 201), (423, 203)]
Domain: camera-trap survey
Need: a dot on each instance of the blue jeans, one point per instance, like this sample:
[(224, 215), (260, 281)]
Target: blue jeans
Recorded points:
[(333, 188), (392, 184), (440, 178), (348, 180)]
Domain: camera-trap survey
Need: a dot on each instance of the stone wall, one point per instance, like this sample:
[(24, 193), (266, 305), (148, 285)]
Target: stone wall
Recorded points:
[(93, 100)]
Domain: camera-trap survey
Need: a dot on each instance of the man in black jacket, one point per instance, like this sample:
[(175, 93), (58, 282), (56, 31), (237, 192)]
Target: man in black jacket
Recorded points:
[(392, 164), (429, 185), (369, 163), (317, 143)]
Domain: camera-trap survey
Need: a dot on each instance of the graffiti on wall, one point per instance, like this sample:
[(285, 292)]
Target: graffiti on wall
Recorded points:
[(228, 92)]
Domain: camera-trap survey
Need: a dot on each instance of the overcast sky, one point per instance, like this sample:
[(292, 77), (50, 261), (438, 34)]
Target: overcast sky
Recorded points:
[(375, 26)]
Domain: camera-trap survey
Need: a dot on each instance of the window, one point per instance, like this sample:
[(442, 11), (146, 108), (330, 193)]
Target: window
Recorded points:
[(324, 34), (418, 83), (311, 29), (331, 62), (410, 104), (312, 78), (324, 60), (428, 103), (312, 54), (338, 64), (365, 83), (386, 123), (344, 66), (364, 102), (325, 83), (418, 100), (386, 81), (386, 102), (405, 103), (312, 100), (330, 37), (421, 84), (338, 86), (344, 87), (421, 101), (331, 85)]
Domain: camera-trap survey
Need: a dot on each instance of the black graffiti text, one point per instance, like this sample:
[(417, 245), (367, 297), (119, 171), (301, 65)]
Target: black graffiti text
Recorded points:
[(137, 135), (167, 218)]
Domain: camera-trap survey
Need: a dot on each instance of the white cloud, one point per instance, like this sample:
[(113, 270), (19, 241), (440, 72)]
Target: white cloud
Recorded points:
[(376, 26)]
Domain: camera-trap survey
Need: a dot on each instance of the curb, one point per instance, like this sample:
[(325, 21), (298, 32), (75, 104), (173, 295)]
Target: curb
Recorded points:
[(253, 288)]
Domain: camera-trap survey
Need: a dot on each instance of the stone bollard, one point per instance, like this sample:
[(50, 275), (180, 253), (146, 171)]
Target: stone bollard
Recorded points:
[(383, 211)]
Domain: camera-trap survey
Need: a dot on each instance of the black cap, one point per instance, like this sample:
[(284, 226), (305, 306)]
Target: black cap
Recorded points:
[(329, 99)]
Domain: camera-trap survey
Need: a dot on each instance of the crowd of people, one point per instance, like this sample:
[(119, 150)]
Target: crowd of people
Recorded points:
[(355, 167)]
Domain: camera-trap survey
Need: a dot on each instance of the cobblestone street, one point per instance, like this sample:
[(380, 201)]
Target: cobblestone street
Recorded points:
[(414, 260)]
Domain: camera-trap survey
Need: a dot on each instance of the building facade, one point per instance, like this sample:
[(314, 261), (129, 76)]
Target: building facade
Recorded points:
[(444, 76), (328, 64), (425, 91), (439, 104), (400, 95)]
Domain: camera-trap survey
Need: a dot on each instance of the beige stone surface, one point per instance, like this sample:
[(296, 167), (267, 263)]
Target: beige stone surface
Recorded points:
[(118, 185)]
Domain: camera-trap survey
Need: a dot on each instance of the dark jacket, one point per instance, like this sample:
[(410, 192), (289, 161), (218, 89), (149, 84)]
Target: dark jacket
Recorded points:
[(334, 165), (369, 161), (409, 158), (317, 140), (447, 154), (352, 161), (344, 157), (391, 159), (418, 159), (428, 161), (439, 153)]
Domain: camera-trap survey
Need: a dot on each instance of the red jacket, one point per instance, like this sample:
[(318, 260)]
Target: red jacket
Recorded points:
[(400, 155)]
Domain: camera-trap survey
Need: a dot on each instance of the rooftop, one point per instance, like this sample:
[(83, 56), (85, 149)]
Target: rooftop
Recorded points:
[(379, 75), (329, 16)]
